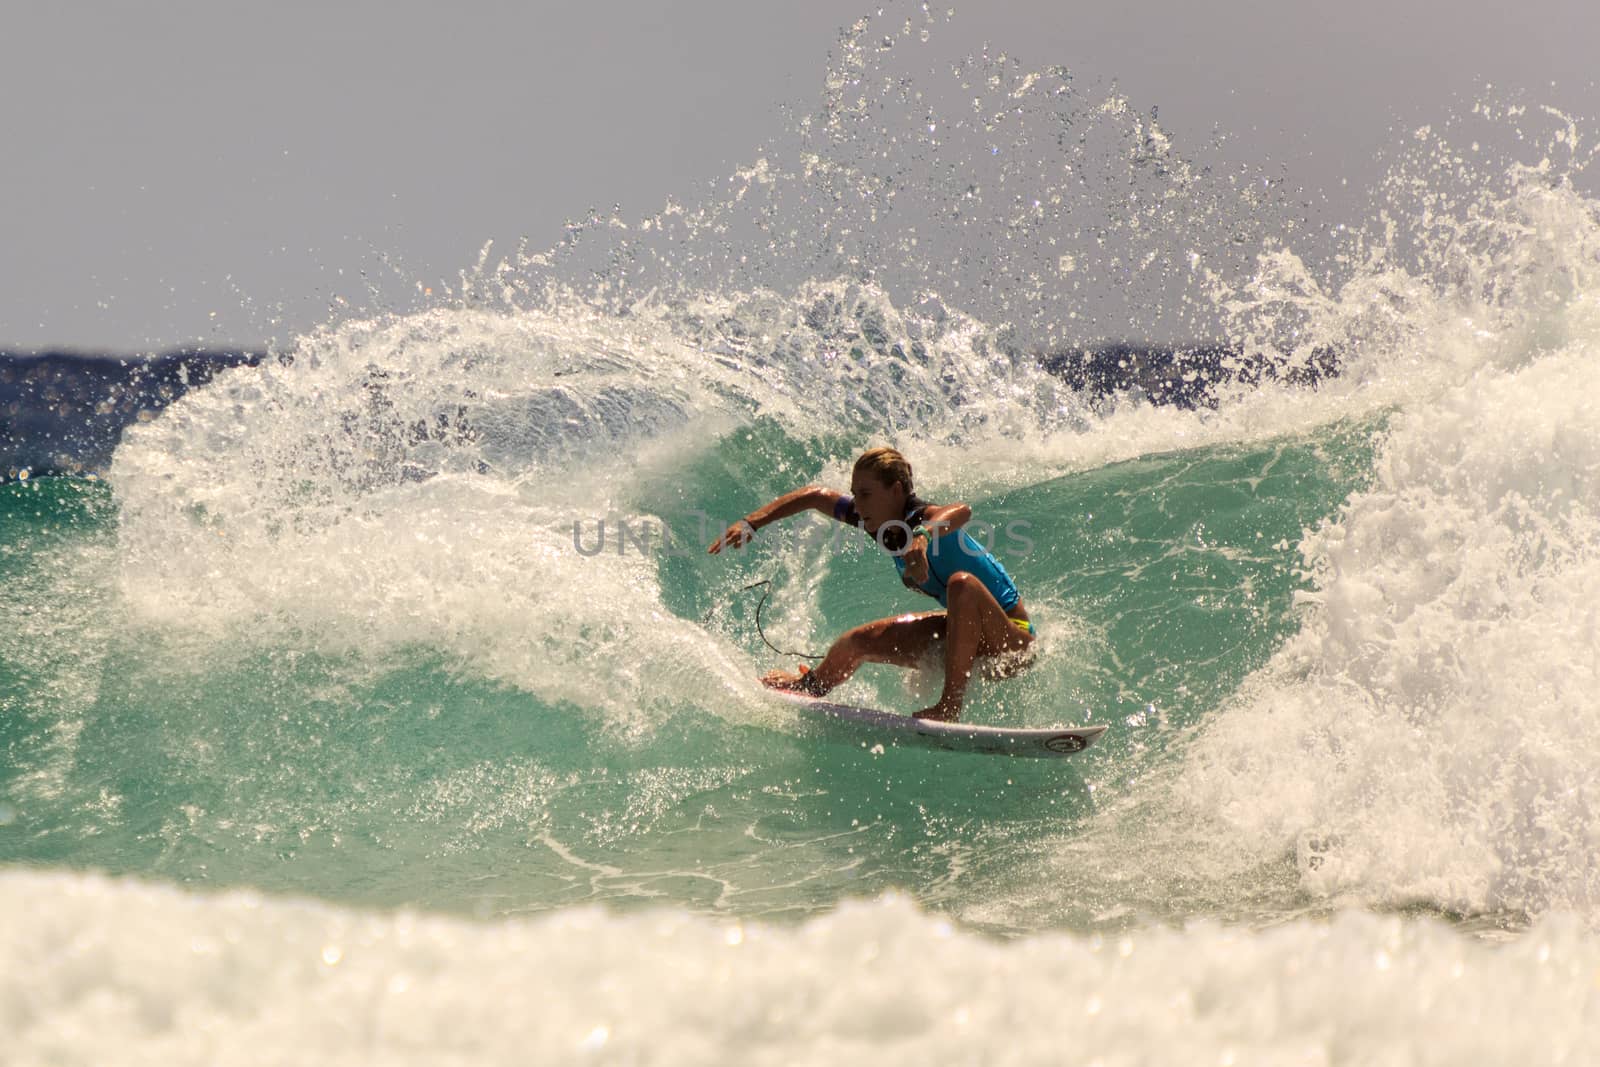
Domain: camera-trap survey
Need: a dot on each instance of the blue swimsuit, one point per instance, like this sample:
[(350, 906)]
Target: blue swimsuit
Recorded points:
[(948, 554)]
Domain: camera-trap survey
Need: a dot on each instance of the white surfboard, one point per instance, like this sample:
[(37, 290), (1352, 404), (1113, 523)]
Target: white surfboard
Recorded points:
[(887, 728)]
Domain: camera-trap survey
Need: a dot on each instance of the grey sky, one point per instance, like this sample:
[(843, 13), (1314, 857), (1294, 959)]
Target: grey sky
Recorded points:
[(203, 171)]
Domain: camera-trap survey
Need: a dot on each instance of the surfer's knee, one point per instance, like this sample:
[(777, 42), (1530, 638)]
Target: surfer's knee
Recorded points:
[(962, 585)]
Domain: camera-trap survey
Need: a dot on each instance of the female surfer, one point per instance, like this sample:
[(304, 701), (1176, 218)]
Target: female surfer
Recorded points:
[(984, 623)]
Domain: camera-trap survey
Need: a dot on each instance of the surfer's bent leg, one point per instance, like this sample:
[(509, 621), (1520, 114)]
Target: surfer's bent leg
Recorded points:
[(976, 625), (901, 640)]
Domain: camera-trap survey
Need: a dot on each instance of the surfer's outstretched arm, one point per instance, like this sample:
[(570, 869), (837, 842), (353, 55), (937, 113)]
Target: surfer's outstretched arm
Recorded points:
[(808, 498)]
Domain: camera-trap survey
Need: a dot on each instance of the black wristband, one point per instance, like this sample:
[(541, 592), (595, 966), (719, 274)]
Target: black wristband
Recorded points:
[(809, 682)]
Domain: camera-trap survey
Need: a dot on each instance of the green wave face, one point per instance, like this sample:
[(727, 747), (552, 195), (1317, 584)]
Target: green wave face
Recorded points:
[(404, 773)]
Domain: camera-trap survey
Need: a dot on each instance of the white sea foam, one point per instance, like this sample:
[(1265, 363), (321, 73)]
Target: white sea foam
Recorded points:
[(1431, 733), (113, 971), (426, 482)]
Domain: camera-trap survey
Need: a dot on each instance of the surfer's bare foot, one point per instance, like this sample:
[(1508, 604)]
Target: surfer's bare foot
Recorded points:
[(783, 679), (940, 713)]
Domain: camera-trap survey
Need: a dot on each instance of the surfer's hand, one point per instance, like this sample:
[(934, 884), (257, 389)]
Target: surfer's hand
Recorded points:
[(737, 535), (917, 561)]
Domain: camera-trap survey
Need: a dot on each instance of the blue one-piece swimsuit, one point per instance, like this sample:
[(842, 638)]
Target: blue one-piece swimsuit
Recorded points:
[(948, 554)]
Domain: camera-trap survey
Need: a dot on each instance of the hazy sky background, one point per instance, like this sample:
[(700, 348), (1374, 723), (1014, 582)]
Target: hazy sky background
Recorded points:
[(185, 172)]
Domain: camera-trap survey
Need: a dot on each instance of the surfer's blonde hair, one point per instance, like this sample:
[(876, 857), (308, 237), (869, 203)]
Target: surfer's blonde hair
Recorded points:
[(886, 465)]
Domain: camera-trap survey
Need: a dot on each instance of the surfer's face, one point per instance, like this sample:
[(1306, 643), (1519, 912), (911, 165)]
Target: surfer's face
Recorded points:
[(877, 502)]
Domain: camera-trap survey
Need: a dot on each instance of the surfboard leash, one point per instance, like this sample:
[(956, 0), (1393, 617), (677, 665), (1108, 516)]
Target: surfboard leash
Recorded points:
[(768, 583)]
